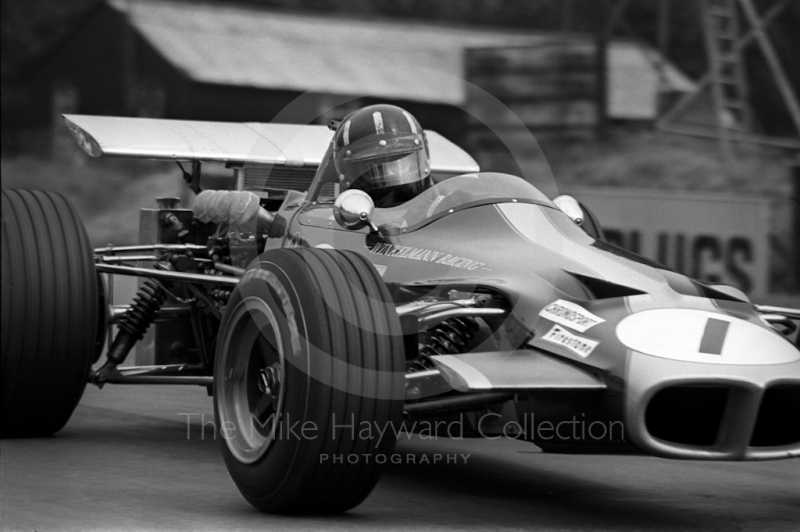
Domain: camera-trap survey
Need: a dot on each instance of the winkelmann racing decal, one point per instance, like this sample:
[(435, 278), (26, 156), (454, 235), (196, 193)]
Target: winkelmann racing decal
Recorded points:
[(427, 255), (569, 314), (577, 344)]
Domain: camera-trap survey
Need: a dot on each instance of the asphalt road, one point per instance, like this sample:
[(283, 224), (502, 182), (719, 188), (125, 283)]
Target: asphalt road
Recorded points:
[(125, 462)]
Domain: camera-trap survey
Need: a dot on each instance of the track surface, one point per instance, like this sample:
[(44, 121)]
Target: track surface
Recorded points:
[(124, 462)]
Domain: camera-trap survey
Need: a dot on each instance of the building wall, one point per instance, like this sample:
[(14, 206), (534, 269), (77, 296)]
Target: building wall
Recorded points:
[(105, 68), (90, 62), (86, 72)]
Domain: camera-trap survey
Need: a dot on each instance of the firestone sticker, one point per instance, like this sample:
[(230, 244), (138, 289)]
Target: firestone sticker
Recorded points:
[(571, 315), (427, 255), (577, 344)]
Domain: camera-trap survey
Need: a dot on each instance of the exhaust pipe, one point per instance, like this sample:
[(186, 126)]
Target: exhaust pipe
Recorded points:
[(239, 208)]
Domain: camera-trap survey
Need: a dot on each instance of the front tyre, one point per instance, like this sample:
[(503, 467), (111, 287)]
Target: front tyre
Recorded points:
[(308, 381), (49, 312)]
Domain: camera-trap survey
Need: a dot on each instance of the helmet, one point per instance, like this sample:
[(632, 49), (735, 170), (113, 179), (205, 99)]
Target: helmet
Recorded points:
[(382, 150)]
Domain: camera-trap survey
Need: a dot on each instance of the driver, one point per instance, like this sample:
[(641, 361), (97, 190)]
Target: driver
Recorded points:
[(382, 150)]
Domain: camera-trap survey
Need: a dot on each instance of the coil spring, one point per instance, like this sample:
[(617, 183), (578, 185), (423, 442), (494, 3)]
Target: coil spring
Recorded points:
[(143, 309), (450, 337)]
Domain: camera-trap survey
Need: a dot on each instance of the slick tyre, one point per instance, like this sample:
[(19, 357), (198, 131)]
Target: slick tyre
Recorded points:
[(49, 312), (309, 353)]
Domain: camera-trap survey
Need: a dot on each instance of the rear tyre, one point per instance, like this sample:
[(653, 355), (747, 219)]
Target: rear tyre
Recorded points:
[(49, 312), (309, 359)]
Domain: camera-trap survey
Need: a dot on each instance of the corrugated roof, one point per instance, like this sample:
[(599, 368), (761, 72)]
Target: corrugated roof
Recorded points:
[(247, 46)]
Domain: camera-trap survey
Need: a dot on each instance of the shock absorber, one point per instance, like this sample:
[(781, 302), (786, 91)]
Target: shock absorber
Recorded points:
[(135, 322), (450, 337)]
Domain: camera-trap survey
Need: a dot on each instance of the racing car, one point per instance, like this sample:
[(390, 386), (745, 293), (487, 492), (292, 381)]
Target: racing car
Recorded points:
[(323, 326)]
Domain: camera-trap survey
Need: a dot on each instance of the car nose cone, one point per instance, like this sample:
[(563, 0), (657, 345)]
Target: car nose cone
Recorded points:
[(704, 337)]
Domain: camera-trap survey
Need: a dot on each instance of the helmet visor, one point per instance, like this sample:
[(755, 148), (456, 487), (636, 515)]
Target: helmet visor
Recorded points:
[(380, 173)]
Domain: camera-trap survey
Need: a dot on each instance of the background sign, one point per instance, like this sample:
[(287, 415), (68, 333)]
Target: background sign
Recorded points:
[(717, 238)]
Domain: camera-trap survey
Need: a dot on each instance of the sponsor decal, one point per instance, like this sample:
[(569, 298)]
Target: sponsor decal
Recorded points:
[(427, 255), (577, 344), (381, 269), (569, 314)]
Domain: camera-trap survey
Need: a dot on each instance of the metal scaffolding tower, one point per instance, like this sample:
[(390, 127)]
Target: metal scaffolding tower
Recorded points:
[(726, 79)]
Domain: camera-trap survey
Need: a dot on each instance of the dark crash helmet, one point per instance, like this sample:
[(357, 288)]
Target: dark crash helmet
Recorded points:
[(382, 150)]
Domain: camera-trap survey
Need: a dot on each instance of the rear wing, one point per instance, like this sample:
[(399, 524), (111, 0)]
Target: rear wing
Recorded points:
[(296, 150)]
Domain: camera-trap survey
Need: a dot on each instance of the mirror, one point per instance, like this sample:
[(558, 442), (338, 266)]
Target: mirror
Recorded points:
[(353, 210), (570, 207)]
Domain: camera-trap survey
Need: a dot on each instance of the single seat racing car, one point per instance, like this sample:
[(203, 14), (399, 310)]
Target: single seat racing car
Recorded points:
[(481, 304)]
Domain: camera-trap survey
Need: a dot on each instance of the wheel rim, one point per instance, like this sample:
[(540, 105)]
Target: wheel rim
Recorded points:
[(253, 381)]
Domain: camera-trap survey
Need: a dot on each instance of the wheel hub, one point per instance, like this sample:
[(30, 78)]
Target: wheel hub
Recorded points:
[(269, 382), (251, 395)]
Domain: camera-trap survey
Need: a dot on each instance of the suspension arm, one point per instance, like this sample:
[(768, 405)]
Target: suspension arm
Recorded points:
[(168, 275)]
